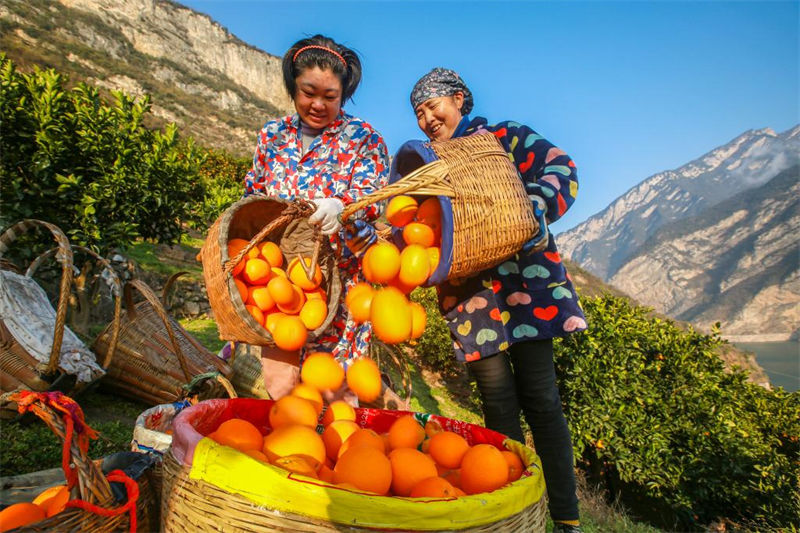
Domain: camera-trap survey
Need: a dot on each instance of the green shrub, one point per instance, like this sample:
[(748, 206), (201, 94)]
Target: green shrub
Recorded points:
[(435, 346), (90, 167), (654, 414), (221, 184)]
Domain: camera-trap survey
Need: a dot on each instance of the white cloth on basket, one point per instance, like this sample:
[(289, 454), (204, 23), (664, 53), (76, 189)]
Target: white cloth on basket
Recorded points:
[(27, 313)]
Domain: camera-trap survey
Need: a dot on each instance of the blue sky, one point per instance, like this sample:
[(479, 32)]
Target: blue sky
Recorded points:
[(628, 89)]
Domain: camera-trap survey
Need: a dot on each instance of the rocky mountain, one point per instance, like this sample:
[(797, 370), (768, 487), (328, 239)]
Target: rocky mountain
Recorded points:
[(714, 240), (215, 87)]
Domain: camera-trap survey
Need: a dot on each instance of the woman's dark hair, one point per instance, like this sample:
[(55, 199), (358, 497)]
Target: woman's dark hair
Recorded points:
[(343, 62)]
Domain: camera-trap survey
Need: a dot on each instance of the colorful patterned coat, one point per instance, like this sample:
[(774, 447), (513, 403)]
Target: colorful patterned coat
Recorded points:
[(529, 296), (347, 161)]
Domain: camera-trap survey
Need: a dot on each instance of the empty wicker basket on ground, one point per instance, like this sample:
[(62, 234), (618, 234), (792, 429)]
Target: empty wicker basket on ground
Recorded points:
[(155, 357), (206, 484), (486, 213), (37, 350), (255, 219), (65, 419)]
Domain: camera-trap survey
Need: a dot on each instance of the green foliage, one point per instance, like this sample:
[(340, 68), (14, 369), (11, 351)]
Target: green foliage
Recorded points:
[(435, 346), (90, 167), (654, 413), (221, 178)]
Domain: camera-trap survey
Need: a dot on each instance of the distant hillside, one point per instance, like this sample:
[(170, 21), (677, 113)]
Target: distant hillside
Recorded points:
[(215, 87), (714, 240)]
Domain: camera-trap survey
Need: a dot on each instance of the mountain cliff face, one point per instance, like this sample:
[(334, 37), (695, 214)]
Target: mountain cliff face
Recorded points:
[(715, 240), (215, 87)]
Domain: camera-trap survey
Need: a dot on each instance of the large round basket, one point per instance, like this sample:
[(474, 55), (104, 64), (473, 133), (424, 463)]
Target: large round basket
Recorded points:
[(206, 485), (155, 358), (486, 213), (254, 219)]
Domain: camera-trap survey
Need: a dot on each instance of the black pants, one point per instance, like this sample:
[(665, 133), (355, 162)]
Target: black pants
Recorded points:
[(524, 379)]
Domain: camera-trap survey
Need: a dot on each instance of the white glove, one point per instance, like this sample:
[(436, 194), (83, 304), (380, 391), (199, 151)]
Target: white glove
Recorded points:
[(327, 215)]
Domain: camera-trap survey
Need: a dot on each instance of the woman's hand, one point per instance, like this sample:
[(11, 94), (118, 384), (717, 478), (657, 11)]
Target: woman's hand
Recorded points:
[(359, 235), (327, 215)]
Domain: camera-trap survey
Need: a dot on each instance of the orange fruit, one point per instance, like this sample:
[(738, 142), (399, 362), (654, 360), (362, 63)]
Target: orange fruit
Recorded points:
[(335, 434), (52, 500), (415, 266), (366, 265), (515, 465), (289, 333), (292, 410), (313, 313), (360, 306), (307, 392), (240, 434), (430, 214), (280, 288), (276, 271), (419, 319), (433, 257), (296, 305), (433, 487), (316, 294), (297, 464), (256, 313), (364, 378), (271, 319), (256, 271), (259, 296), (338, 410), (483, 469), (432, 427), (406, 432), (295, 439), (409, 467), (359, 288), (242, 288), (363, 437), (401, 210), (298, 275), (366, 469), (448, 449), (453, 477), (400, 286), (234, 247), (325, 474), (257, 455), (419, 233), (390, 315), (272, 253), (383, 262), (323, 372), (22, 514)]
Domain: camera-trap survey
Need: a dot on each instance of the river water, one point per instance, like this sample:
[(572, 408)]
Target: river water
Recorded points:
[(780, 360)]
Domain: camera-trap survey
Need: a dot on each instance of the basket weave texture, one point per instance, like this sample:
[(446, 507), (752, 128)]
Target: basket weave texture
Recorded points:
[(155, 357), (492, 214), (191, 503), (254, 219), (19, 368), (92, 487)]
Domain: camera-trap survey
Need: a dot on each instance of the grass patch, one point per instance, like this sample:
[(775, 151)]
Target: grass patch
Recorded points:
[(150, 259), (205, 331)]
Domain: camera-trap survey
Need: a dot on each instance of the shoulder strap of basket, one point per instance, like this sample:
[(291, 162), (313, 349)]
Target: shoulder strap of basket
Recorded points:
[(64, 256), (147, 292)]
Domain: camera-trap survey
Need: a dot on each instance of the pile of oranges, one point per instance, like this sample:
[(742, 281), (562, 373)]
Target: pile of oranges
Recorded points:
[(409, 460), (49, 502), (285, 302), (396, 273)]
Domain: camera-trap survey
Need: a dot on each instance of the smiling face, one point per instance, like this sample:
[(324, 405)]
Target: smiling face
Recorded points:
[(438, 117), (318, 97)]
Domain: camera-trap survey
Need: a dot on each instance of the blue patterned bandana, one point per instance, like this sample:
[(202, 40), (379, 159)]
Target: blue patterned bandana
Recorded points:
[(441, 82)]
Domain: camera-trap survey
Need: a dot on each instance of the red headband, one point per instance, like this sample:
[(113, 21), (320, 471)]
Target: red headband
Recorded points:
[(318, 47)]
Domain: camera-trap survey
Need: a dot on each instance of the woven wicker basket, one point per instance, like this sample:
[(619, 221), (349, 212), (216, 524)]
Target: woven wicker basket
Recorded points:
[(254, 219), (480, 188), (92, 487), (189, 503), (19, 369), (155, 357)]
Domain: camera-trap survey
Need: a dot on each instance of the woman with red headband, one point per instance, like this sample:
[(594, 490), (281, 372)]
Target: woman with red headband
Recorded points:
[(321, 154)]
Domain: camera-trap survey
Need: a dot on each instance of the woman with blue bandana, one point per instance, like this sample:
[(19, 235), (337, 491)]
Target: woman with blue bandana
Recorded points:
[(503, 320)]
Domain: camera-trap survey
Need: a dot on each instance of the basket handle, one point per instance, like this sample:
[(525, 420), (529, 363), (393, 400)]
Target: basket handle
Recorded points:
[(310, 268), (429, 179), (216, 376), (64, 256), (116, 289), (168, 286), (147, 292), (297, 209)]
